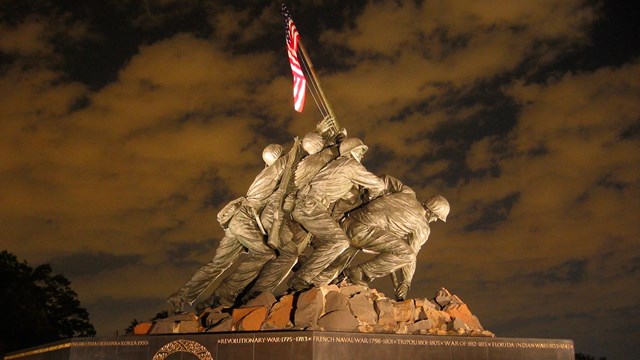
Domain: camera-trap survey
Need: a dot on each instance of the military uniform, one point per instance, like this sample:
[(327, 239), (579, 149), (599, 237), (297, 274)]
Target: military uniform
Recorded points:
[(294, 237), (394, 226), (243, 232), (312, 211)]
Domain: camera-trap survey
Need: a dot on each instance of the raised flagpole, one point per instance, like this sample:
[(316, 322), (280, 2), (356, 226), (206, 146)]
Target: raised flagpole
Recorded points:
[(307, 68), (313, 81)]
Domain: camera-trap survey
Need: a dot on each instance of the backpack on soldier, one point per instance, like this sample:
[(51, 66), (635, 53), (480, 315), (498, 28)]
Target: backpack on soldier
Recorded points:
[(226, 214)]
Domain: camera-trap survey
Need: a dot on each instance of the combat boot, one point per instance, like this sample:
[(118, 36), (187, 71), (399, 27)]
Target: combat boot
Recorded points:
[(356, 276), (177, 304)]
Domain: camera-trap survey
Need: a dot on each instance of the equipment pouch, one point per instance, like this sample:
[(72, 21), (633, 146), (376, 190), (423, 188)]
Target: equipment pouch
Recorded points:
[(226, 214)]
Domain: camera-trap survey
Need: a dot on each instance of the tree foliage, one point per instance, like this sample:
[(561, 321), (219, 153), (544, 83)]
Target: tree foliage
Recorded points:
[(36, 306)]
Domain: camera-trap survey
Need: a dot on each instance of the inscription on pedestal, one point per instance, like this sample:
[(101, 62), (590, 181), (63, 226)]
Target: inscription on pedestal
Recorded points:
[(300, 345)]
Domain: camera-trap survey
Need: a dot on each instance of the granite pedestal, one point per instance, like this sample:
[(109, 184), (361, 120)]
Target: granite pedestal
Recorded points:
[(298, 345)]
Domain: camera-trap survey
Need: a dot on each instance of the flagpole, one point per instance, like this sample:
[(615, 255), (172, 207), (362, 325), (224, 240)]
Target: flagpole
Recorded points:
[(314, 78), (302, 68)]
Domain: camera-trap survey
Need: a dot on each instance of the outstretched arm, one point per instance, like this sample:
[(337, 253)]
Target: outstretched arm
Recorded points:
[(416, 240), (363, 177), (393, 185)]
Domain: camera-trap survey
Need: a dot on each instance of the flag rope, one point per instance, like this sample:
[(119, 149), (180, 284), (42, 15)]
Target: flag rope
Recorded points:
[(313, 89), (314, 78)]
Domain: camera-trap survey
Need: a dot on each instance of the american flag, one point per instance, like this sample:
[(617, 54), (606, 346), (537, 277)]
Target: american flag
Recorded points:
[(299, 81)]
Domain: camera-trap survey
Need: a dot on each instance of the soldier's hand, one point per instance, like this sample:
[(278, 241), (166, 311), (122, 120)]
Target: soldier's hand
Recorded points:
[(402, 291), (326, 125), (289, 203), (340, 136)]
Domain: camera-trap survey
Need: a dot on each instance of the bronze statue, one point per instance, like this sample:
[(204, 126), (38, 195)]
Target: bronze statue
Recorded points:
[(277, 270), (243, 231), (395, 226), (290, 237), (297, 200), (312, 208)]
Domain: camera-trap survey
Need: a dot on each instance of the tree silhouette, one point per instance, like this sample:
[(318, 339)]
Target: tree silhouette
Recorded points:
[(37, 307)]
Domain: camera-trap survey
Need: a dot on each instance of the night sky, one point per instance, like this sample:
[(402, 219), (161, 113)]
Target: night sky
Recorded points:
[(126, 125)]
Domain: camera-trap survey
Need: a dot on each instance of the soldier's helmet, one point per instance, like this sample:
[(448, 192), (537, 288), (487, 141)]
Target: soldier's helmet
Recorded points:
[(351, 144), (312, 142), (271, 153), (439, 206)]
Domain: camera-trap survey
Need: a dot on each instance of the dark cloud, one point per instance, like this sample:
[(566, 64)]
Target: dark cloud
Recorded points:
[(131, 308), (184, 254), (570, 272), (631, 132), (91, 264), (633, 266), (493, 214)]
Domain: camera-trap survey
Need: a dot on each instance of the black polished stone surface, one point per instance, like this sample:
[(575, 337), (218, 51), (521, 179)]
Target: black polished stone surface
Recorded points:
[(298, 345)]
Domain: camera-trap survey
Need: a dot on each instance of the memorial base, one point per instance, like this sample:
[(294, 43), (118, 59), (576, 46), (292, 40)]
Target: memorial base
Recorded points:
[(298, 345)]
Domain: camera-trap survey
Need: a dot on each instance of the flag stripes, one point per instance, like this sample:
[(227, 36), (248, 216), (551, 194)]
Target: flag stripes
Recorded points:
[(299, 80)]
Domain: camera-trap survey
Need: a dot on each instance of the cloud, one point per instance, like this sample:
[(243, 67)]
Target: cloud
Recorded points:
[(238, 26), (425, 61), (89, 264), (142, 151), (36, 39), (26, 38), (568, 235)]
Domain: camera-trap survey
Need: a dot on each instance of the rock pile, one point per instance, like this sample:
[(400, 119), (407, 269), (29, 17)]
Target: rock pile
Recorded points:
[(342, 307)]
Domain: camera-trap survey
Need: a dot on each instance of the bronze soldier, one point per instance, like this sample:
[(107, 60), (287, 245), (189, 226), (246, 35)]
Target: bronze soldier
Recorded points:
[(293, 238), (395, 226), (277, 270), (243, 231), (312, 208)]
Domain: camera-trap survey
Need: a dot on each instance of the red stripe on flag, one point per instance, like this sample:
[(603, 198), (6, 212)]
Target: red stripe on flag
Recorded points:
[(299, 80)]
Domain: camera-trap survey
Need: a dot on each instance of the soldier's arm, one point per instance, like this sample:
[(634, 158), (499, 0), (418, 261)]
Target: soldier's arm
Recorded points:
[(416, 240), (402, 288), (265, 183), (419, 237), (393, 185), (312, 164), (362, 176), (347, 203)]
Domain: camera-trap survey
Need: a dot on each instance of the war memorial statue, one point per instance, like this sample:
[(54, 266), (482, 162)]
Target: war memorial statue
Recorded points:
[(334, 205), (302, 224), (315, 197)]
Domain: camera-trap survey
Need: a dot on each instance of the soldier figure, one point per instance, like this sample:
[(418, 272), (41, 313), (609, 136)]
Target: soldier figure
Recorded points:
[(322, 189), (277, 270), (293, 238), (395, 226), (243, 231), (312, 208)]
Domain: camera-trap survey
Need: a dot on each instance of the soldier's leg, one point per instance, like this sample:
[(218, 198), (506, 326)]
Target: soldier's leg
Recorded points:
[(276, 270), (296, 240), (336, 267), (241, 277), (329, 241), (227, 252), (393, 253), (249, 236)]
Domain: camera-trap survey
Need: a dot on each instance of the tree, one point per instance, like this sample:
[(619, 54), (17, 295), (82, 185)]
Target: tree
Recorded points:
[(37, 307)]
